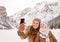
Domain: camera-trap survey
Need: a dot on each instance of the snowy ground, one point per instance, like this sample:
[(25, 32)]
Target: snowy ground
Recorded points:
[(11, 35)]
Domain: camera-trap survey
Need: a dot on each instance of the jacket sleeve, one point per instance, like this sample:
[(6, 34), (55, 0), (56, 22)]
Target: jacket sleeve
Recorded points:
[(37, 39), (52, 38), (22, 34)]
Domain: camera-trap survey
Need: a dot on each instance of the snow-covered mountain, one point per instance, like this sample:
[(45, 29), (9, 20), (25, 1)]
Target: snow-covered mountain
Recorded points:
[(45, 11)]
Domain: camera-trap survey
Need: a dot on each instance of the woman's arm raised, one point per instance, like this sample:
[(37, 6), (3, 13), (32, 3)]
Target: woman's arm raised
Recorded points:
[(21, 29)]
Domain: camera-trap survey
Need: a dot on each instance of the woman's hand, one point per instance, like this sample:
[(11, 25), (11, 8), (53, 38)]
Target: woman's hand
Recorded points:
[(21, 27)]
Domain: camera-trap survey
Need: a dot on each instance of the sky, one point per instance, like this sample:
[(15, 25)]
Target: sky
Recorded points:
[(13, 6)]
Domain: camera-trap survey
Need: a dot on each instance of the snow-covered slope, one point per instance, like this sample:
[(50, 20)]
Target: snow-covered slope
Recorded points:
[(12, 36)]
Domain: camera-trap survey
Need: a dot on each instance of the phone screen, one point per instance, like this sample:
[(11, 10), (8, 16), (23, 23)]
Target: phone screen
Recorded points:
[(22, 20)]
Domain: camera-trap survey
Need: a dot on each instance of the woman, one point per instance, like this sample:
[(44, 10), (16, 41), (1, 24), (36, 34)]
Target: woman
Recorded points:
[(32, 32)]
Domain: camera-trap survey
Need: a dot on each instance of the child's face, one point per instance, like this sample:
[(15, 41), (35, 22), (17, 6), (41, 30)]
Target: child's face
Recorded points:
[(35, 24), (42, 25)]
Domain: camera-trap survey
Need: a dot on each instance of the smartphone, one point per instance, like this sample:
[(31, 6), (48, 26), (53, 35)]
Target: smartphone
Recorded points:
[(22, 20)]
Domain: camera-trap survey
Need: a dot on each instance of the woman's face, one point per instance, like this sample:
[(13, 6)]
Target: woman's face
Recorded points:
[(35, 24)]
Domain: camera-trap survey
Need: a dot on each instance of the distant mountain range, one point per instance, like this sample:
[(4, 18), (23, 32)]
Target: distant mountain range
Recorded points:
[(45, 11)]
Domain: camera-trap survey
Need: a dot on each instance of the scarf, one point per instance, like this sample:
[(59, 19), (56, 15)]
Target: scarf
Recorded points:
[(44, 33)]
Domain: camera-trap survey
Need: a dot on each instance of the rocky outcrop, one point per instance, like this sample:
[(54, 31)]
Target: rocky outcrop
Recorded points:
[(55, 23), (4, 18)]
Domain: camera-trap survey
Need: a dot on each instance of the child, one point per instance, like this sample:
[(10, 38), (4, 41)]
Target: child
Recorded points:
[(45, 34)]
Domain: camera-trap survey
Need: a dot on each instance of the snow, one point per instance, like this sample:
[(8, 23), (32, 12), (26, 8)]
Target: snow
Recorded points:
[(12, 36)]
